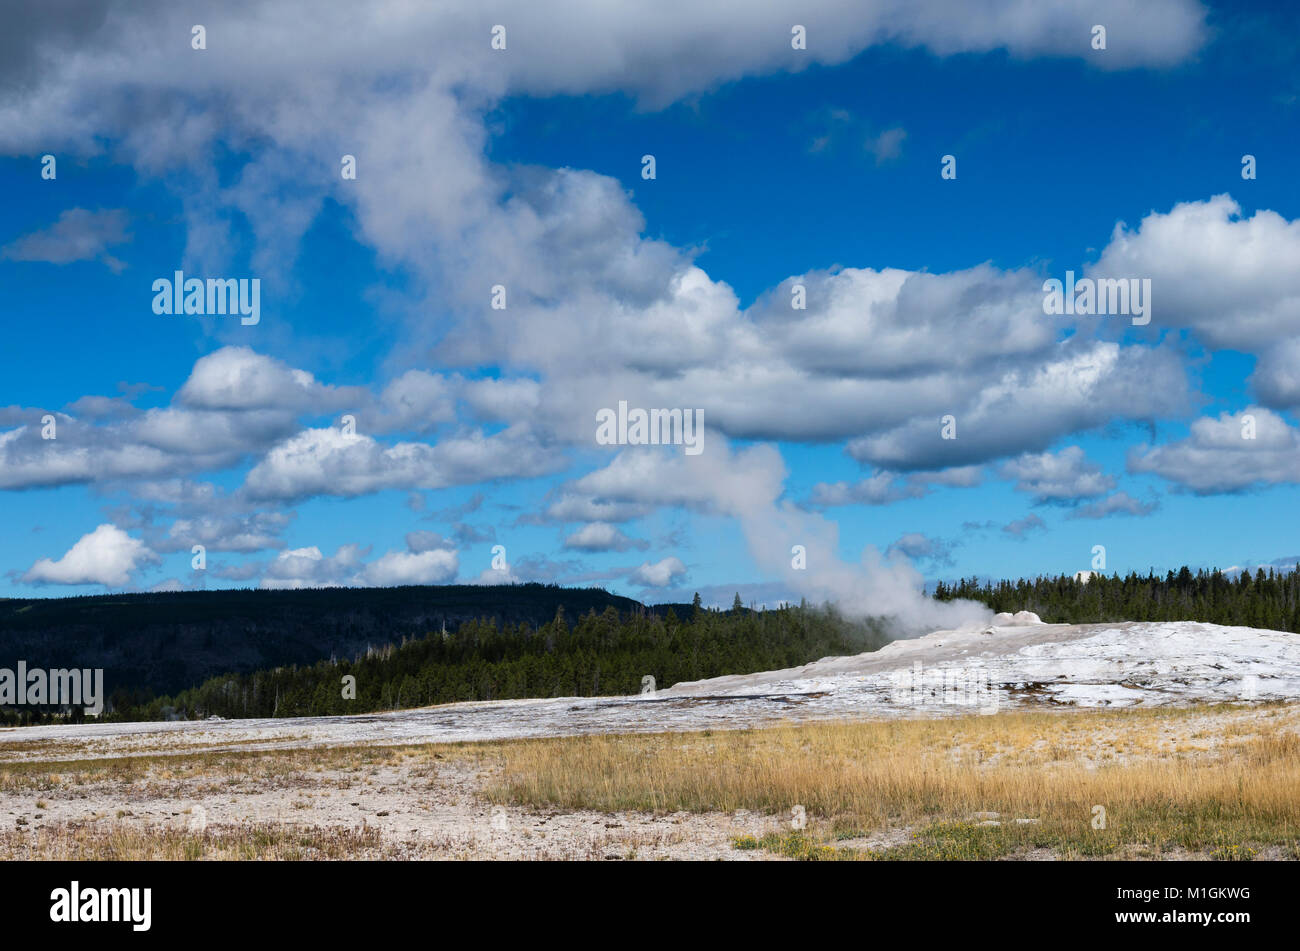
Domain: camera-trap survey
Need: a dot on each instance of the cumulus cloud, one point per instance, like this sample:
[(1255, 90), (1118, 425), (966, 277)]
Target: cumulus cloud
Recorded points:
[(255, 531), (239, 378), (1064, 477), (1029, 407), (80, 454), (1230, 278), (236, 403), (434, 566), (309, 568), (1222, 455), (333, 462), (106, 556), (429, 559), (418, 401), (502, 399), (660, 574), (601, 536), (717, 481)]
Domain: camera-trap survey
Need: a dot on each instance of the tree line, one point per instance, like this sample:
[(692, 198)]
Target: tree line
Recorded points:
[(597, 654), (1263, 599)]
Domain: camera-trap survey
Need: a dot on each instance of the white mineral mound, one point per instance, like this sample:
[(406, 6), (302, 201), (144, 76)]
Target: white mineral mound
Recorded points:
[(1019, 619), (1021, 661), (1016, 662)]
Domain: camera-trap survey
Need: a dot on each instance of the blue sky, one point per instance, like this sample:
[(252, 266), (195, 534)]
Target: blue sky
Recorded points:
[(522, 167)]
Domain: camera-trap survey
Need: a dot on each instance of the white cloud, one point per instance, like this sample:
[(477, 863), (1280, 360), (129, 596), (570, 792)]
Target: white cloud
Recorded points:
[(332, 462), (1216, 456), (106, 556), (601, 536), (1231, 279), (238, 378), (418, 401), (309, 568), (1029, 407), (435, 566), (238, 533), (1066, 476), (717, 481), (660, 574), (502, 399), (428, 560)]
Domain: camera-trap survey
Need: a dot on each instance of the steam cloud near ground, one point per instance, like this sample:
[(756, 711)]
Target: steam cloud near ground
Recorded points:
[(877, 586)]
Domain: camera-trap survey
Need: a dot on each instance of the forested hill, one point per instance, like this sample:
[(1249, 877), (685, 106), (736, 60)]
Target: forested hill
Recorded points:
[(1261, 599), (596, 654), (164, 642)]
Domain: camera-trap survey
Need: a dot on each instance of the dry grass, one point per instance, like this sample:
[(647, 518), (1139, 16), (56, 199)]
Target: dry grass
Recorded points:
[(70, 749), (265, 842), (208, 771), (1233, 787), (1213, 782)]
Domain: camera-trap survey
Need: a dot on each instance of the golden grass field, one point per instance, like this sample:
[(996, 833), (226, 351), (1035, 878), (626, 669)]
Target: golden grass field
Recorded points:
[(1200, 782)]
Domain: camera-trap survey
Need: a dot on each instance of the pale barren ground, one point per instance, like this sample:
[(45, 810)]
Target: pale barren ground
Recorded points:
[(531, 799), (398, 804)]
